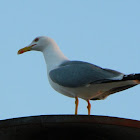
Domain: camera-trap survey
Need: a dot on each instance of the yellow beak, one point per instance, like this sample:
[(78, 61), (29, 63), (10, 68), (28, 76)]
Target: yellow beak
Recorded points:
[(28, 48), (24, 50)]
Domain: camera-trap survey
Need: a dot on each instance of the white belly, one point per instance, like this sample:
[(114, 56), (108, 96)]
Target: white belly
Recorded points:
[(90, 91)]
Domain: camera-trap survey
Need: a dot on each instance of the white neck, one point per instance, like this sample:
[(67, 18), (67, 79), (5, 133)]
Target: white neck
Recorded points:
[(53, 56)]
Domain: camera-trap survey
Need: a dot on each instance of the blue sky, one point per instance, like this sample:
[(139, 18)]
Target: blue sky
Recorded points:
[(105, 33)]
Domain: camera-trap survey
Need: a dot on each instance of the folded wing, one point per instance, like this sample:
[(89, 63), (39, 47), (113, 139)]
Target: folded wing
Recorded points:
[(78, 73)]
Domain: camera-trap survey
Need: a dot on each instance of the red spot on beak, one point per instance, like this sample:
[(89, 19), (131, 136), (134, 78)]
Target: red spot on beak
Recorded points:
[(21, 52), (28, 48)]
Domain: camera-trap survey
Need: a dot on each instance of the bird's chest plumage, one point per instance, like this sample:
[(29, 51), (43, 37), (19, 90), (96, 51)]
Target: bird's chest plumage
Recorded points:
[(86, 92), (60, 88)]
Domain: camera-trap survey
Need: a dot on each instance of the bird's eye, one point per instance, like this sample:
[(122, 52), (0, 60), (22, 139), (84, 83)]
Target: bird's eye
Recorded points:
[(36, 39)]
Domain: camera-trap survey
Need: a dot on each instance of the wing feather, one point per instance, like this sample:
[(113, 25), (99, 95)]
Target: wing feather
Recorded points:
[(78, 73)]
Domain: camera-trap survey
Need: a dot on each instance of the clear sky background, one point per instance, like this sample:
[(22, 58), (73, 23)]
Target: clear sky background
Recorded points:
[(103, 32)]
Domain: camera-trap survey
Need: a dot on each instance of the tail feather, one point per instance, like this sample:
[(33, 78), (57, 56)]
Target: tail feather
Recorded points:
[(132, 77)]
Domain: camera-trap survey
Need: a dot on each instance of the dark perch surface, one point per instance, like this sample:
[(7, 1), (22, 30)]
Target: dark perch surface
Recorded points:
[(69, 127)]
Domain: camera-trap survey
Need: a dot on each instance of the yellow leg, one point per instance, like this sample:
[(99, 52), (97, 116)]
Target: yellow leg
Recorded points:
[(88, 107), (76, 105)]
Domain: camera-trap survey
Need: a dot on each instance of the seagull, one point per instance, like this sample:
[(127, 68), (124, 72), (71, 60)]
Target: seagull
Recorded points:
[(78, 79)]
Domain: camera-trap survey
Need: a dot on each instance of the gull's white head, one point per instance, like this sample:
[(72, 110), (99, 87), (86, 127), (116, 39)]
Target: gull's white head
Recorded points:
[(38, 44)]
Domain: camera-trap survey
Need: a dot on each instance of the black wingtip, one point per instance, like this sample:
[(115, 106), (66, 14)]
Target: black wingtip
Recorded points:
[(131, 77)]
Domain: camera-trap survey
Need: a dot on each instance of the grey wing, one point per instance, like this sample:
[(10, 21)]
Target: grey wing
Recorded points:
[(78, 73)]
